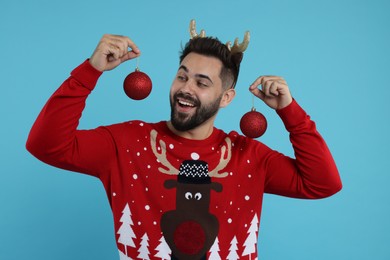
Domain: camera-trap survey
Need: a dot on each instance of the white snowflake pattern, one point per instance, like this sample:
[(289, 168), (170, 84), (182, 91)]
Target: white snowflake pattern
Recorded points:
[(195, 156)]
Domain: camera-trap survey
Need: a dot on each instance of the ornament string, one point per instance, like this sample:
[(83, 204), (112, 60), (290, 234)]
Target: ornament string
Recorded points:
[(137, 63)]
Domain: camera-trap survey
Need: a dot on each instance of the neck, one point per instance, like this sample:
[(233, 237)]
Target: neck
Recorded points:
[(200, 132)]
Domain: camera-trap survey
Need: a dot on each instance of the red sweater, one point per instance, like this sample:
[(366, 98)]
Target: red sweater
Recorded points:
[(176, 197)]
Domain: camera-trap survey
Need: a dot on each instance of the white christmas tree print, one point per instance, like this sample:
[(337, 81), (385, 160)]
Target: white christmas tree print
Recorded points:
[(251, 240), (233, 250), (122, 256), (163, 250), (214, 255), (126, 233), (143, 249)]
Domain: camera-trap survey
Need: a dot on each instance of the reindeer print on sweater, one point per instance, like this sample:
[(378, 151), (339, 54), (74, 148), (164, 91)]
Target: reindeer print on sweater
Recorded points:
[(188, 222), (190, 229)]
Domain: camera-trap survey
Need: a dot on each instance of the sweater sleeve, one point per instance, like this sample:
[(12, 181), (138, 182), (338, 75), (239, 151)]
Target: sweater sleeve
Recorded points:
[(313, 173), (54, 138)]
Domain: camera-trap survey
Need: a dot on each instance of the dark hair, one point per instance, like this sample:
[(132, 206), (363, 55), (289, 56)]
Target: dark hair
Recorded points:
[(212, 47)]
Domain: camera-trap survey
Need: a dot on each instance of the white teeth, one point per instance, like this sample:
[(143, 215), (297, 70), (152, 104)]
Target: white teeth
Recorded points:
[(185, 103)]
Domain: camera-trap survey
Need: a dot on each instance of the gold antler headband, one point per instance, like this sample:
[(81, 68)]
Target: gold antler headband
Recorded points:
[(193, 33), (237, 47)]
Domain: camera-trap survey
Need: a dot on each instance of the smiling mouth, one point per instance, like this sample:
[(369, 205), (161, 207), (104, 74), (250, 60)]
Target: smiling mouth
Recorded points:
[(185, 103), (184, 106)]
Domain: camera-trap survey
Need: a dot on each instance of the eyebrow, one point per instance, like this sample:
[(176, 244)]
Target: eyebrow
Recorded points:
[(196, 75)]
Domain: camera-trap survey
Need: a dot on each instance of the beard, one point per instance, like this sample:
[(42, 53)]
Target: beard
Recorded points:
[(185, 121)]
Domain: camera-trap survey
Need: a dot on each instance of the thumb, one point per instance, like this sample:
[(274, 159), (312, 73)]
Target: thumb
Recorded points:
[(257, 92)]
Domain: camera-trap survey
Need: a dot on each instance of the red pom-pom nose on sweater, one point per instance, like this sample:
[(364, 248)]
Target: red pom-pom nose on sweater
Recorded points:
[(253, 124), (137, 85)]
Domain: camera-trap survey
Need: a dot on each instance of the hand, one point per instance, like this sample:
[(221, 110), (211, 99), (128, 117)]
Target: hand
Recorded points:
[(112, 50), (274, 91)]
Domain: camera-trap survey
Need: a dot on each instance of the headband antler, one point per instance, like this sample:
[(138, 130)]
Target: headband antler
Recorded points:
[(193, 32), (237, 47)]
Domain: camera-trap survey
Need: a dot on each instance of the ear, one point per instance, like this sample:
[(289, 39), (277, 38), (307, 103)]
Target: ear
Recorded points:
[(227, 97)]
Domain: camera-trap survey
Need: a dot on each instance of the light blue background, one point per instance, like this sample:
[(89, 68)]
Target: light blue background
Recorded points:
[(334, 54)]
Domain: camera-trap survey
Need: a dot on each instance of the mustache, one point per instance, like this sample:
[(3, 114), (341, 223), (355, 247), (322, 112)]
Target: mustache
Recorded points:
[(186, 97)]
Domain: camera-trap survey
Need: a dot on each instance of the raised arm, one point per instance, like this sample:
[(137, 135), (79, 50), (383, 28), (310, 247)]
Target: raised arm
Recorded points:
[(313, 173), (54, 137)]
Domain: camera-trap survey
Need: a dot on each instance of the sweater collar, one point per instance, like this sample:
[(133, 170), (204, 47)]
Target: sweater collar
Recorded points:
[(163, 129)]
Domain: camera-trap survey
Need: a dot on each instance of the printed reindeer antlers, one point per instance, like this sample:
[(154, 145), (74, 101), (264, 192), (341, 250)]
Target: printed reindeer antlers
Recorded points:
[(160, 151), (162, 156), (223, 161), (237, 47)]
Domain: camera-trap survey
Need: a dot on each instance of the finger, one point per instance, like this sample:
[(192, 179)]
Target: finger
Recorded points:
[(274, 85), (262, 79), (266, 87), (273, 78), (130, 55), (273, 89), (120, 46), (127, 43), (256, 83), (112, 52), (277, 88), (123, 43), (132, 46), (257, 92), (262, 85)]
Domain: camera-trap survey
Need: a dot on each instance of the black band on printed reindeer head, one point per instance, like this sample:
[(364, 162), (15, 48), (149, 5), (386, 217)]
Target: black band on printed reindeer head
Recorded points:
[(194, 172)]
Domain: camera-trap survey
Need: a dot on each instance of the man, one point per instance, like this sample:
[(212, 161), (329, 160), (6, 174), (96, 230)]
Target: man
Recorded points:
[(182, 189)]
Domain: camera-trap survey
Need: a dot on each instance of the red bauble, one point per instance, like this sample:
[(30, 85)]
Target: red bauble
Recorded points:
[(253, 124), (137, 85)]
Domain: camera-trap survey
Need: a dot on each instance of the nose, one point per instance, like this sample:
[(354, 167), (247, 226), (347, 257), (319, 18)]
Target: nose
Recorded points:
[(188, 86)]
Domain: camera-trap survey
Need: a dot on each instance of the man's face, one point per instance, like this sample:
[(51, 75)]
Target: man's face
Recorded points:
[(196, 91)]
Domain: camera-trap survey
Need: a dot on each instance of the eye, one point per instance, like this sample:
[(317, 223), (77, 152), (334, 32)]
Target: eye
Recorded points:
[(188, 195), (198, 196), (202, 84), (181, 78)]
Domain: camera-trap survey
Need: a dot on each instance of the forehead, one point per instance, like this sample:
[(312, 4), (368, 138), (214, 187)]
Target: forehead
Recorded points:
[(201, 64)]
